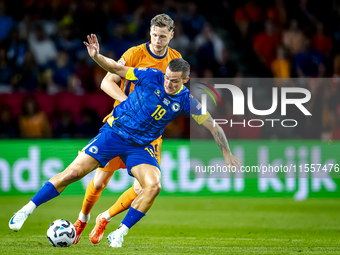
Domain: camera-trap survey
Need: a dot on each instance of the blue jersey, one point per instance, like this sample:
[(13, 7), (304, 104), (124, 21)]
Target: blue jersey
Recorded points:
[(143, 116)]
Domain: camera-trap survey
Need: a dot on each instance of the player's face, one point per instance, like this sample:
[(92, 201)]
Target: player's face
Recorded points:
[(173, 81), (160, 38)]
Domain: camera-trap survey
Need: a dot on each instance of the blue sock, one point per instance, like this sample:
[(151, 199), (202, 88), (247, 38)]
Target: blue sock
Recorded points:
[(132, 217), (46, 193)]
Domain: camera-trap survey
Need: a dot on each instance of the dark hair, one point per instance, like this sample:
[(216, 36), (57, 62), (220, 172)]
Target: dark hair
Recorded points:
[(180, 65), (163, 20)]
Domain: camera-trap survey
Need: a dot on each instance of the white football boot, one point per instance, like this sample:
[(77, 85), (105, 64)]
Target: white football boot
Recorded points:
[(18, 220), (116, 238)]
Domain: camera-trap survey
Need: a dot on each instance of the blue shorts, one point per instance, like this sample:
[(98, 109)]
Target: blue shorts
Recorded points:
[(108, 145)]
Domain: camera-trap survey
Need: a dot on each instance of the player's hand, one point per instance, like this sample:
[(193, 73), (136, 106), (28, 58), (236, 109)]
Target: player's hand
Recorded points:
[(92, 45), (231, 160)]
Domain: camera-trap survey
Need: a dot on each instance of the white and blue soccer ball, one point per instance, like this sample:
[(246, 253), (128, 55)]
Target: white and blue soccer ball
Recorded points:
[(61, 233)]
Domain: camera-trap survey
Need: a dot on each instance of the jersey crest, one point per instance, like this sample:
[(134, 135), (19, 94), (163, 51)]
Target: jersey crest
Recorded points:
[(175, 107)]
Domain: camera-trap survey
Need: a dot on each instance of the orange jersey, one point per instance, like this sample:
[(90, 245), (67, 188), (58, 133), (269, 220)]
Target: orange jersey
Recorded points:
[(141, 56)]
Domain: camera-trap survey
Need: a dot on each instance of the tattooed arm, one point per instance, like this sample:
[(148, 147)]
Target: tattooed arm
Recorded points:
[(218, 135), (222, 142)]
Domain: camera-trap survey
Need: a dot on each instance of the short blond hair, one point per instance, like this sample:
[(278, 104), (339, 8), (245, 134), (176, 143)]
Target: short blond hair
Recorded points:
[(163, 20)]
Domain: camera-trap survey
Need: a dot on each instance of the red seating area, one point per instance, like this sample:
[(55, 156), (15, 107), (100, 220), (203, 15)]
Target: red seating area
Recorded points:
[(14, 101), (99, 103), (65, 101)]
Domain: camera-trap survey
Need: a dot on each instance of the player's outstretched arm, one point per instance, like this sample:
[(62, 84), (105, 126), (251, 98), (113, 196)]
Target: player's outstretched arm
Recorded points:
[(109, 86), (222, 142), (107, 64)]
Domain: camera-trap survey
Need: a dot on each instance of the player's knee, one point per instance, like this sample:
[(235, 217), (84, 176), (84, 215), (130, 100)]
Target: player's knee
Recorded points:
[(137, 189), (158, 188), (99, 185), (153, 189), (72, 174)]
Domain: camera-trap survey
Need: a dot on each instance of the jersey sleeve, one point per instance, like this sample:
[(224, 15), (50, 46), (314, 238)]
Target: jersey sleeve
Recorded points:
[(142, 75), (193, 108)]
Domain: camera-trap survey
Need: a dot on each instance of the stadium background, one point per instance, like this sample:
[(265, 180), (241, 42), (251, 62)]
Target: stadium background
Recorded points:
[(46, 77)]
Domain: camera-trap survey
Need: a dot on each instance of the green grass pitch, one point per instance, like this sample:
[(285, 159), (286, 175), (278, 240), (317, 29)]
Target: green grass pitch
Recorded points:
[(188, 225)]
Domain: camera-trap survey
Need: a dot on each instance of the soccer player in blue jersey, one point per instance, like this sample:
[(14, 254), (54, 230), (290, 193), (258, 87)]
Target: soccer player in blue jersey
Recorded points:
[(158, 99)]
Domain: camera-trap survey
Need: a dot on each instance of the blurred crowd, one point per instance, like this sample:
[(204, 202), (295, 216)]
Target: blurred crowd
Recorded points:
[(49, 87)]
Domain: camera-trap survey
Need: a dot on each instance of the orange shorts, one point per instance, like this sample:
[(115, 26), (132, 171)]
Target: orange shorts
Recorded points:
[(116, 163)]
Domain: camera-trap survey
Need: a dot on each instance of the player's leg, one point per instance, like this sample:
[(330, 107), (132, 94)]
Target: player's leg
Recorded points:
[(93, 191), (97, 152), (81, 166), (124, 201), (149, 177)]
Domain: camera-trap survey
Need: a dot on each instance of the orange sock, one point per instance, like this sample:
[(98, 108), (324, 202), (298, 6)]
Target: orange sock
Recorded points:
[(123, 203), (91, 197)]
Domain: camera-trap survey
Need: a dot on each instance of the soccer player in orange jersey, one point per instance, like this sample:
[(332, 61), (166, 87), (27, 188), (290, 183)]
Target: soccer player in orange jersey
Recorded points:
[(154, 54)]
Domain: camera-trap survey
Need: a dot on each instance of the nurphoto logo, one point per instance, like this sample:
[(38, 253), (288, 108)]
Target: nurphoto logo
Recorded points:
[(239, 103)]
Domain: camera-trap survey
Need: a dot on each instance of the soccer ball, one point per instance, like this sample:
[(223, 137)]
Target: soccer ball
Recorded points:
[(61, 233)]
